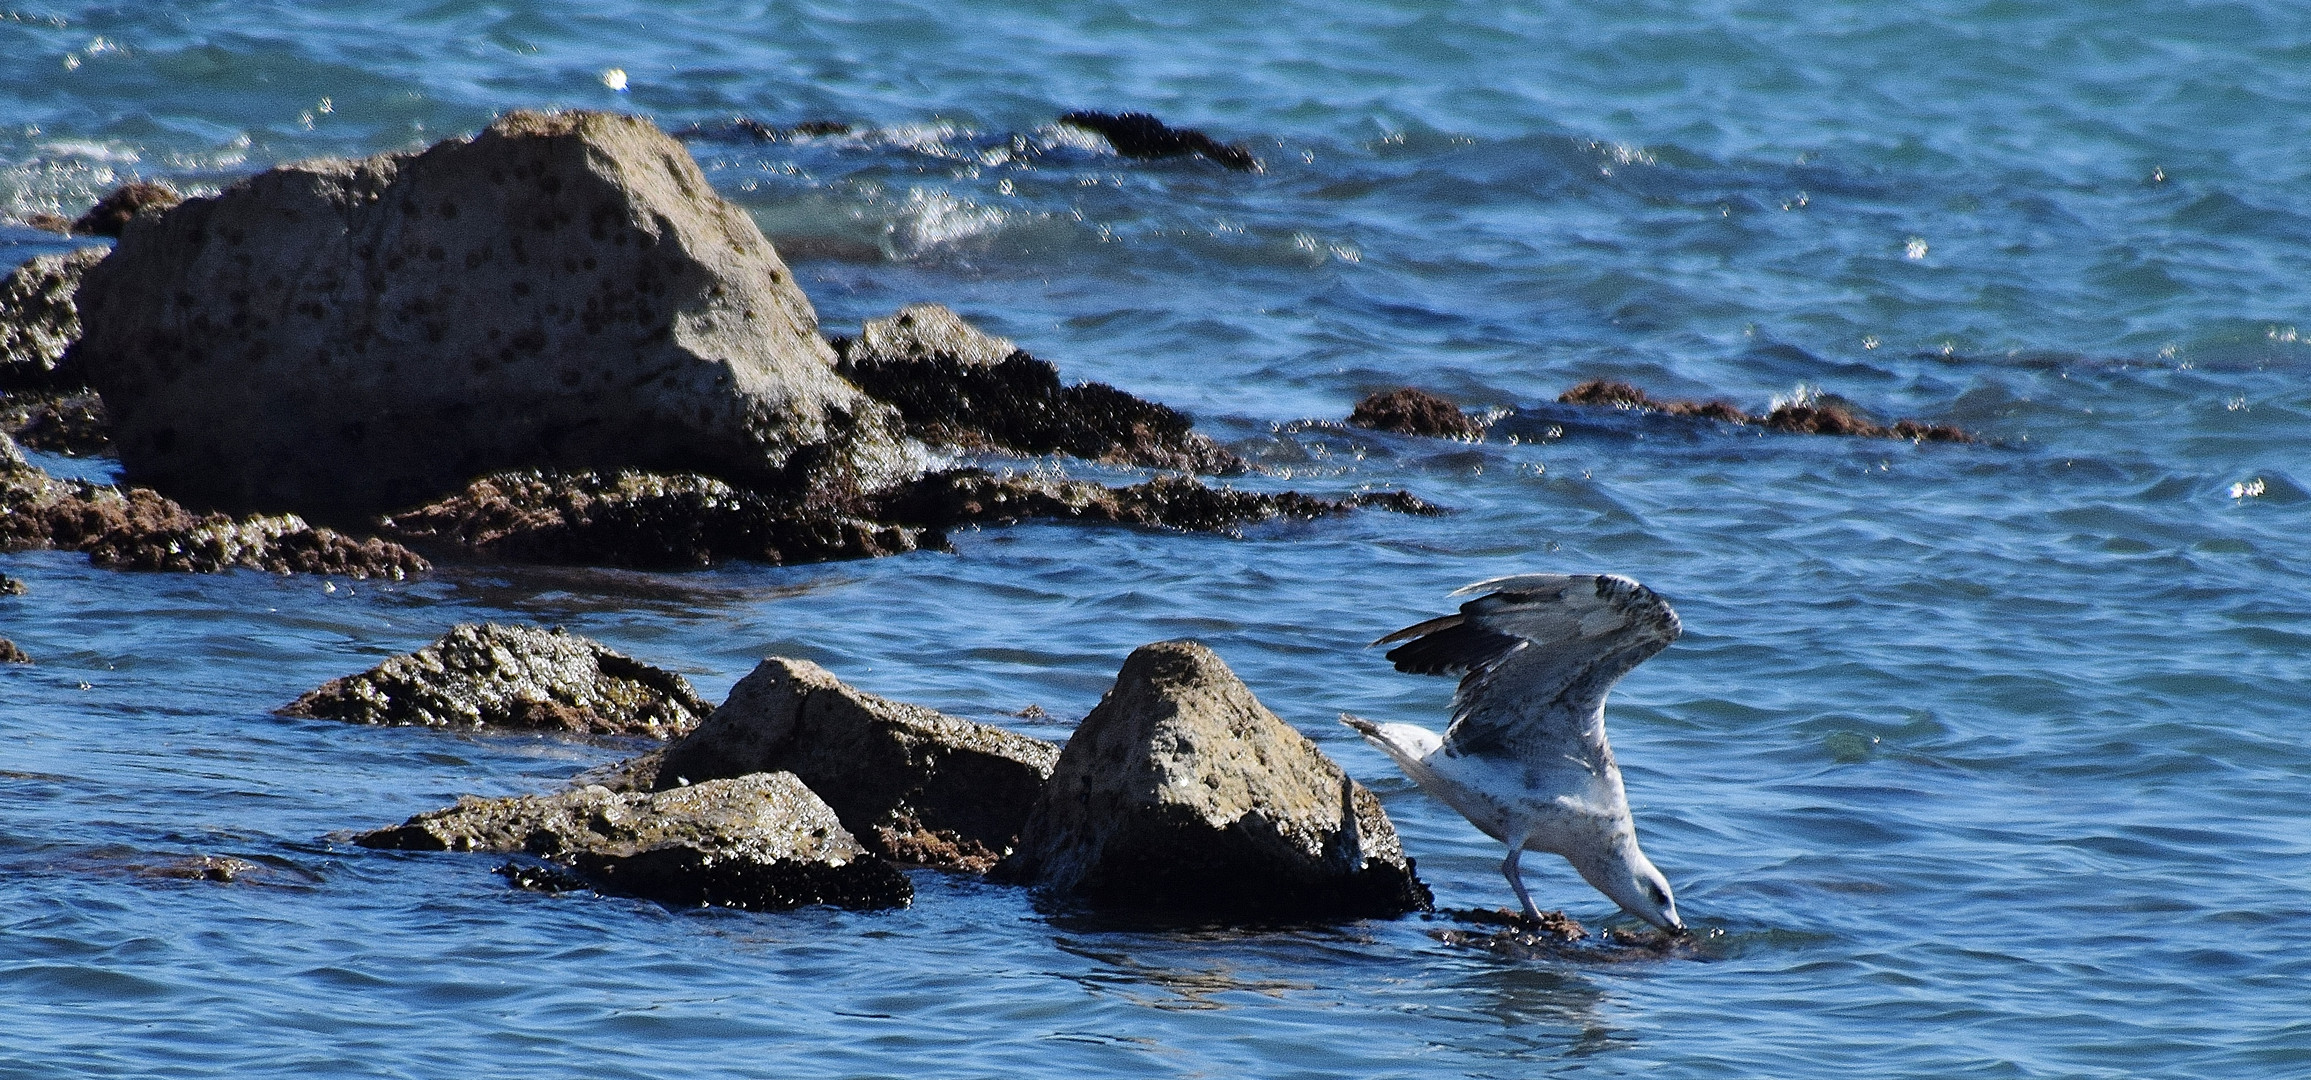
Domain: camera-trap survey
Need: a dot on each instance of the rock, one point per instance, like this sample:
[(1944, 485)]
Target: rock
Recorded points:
[(1140, 135), (137, 529), (38, 319), (955, 497), (1807, 413), (221, 868), (1182, 792), (747, 129), (914, 785), (1415, 412), (10, 586), (63, 422), (46, 222), (639, 520), (957, 386), (486, 675), (761, 842), (342, 338), (10, 654), (637, 773), (112, 213)]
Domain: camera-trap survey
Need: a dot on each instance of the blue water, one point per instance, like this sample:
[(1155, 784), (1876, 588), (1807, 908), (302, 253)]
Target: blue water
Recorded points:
[(1975, 761)]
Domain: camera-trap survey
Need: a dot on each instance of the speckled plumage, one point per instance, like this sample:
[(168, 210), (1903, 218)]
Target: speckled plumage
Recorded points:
[(1526, 759)]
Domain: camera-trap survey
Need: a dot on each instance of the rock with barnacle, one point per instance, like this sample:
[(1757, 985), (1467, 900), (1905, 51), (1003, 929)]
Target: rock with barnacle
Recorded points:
[(1181, 794)]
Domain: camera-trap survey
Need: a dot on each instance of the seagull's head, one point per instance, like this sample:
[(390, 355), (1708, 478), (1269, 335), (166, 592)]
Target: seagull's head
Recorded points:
[(1628, 877)]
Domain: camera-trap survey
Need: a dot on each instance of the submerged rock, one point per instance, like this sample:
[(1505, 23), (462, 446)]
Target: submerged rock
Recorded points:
[(955, 497), (1411, 411), (38, 319), (137, 529), (487, 675), (112, 213), (1140, 135), (639, 520), (761, 842), (748, 129), (1806, 414), (563, 290), (1182, 792), (10, 586), (914, 785), (64, 422), (958, 386), (10, 654)]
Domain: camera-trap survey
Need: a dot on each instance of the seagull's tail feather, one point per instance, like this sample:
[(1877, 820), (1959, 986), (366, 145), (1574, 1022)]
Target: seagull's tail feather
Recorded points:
[(1363, 727), (1403, 743)]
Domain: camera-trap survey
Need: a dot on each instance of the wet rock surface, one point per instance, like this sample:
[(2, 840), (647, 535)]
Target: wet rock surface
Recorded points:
[(955, 497), (343, 338), (958, 386), (748, 129), (1807, 414), (761, 842), (38, 319), (1411, 411), (64, 422), (488, 675), (138, 529), (1181, 792), (642, 520), (1557, 936), (1140, 135), (10, 654), (112, 213), (914, 785), (10, 586)]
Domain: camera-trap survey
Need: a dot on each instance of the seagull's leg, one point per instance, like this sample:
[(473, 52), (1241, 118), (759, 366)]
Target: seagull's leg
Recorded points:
[(1517, 880)]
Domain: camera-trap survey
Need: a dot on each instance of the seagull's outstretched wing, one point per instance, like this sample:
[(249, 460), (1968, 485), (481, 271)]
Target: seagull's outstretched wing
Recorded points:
[(1537, 654)]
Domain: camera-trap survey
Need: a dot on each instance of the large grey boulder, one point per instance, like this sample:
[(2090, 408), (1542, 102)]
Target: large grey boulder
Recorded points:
[(915, 785), (38, 319), (1182, 793), (562, 290), (487, 675), (762, 842)]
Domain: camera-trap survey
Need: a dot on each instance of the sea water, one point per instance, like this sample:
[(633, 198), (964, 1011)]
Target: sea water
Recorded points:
[(1979, 760)]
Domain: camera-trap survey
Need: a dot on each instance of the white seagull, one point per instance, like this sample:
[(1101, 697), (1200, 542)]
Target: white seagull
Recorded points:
[(1525, 759)]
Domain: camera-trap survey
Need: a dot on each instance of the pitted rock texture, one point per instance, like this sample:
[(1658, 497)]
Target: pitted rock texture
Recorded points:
[(343, 338), (956, 497), (1182, 792), (112, 213), (640, 520), (487, 675), (1139, 135), (38, 319), (1807, 414), (1411, 411), (958, 386), (137, 529), (761, 842), (914, 785), (64, 422)]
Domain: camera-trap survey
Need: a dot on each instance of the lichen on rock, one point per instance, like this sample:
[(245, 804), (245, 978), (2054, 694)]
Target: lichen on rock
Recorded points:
[(958, 386), (488, 675), (762, 842), (915, 785), (1181, 792)]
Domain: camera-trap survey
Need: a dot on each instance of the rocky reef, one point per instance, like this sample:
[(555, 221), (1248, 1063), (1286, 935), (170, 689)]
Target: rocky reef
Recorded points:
[(1411, 411), (1139, 135), (957, 386), (761, 842), (914, 785), (487, 675), (1182, 793), (1804, 414)]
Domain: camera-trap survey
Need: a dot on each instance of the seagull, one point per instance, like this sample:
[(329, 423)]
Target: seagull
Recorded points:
[(1525, 759)]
